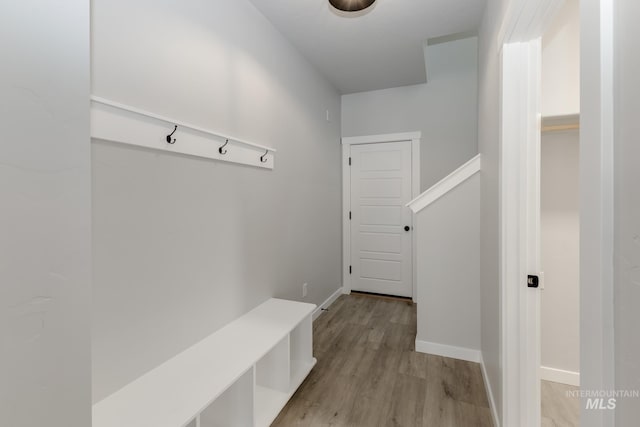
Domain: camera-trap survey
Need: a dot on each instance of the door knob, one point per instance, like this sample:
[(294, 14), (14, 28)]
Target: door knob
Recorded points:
[(407, 228)]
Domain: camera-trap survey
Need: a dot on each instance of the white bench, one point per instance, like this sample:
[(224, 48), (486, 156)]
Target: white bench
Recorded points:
[(240, 376)]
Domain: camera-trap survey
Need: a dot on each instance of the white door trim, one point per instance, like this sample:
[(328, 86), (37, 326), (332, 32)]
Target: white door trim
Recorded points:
[(519, 167), (414, 137), (596, 204), (519, 225), (526, 22)]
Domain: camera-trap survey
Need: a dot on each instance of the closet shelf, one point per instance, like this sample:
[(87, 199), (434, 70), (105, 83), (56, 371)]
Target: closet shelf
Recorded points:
[(560, 123)]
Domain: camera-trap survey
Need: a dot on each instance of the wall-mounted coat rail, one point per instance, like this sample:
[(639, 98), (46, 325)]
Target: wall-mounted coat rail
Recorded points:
[(112, 121)]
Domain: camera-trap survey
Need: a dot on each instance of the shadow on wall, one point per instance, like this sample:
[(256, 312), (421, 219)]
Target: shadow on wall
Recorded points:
[(184, 245), (445, 109)]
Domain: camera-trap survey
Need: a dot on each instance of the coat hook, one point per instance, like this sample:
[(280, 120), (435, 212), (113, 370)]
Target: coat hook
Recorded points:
[(169, 140), (263, 158), (220, 150)]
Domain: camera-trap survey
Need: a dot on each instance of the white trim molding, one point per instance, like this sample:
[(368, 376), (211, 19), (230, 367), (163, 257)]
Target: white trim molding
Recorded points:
[(325, 305), (446, 184), (597, 173), (347, 142), (469, 355), (526, 20), (519, 225), (520, 130), (387, 137), (560, 376), (115, 122), (489, 390), (444, 350)]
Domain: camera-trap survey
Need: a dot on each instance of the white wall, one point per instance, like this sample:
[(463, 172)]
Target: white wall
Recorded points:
[(184, 245), (488, 145), (448, 269), (560, 250), (561, 63), (596, 207), (627, 210), (444, 109), (45, 264)]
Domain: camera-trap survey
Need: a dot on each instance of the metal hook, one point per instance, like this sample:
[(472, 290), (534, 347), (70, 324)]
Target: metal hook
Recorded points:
[(220, 150), (263, 158), (169, 140)]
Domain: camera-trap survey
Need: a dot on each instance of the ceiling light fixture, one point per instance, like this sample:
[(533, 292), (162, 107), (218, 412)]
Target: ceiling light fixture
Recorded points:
[(351, 5)]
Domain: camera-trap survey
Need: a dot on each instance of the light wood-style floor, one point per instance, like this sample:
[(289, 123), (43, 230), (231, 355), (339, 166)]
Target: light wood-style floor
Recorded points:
[(558, 409), (368, 374)]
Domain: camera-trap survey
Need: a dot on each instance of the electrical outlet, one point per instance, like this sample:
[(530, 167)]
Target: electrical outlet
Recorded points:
[(305, 289)]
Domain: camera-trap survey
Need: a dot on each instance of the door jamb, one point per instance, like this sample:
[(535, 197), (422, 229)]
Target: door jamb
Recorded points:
[(520, 42), (519, 233), (414, 137), (597, 361)]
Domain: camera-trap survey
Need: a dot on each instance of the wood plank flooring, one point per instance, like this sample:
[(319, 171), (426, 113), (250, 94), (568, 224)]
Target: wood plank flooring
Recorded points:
[(558, 409), (368, 374)]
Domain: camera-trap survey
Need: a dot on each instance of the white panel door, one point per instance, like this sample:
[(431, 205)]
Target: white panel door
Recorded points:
[(381, 226)]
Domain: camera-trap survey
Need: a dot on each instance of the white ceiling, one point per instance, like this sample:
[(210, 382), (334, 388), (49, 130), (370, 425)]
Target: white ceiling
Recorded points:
[(379, 49)]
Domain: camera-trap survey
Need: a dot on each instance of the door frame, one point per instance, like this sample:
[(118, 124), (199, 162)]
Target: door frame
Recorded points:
[(597, 20), (347, 142), (520, 232), (524, 23), (519, 210)]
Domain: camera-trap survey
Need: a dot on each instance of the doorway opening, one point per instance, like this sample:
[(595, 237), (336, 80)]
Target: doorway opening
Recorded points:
[(559, 230), (560, 262)]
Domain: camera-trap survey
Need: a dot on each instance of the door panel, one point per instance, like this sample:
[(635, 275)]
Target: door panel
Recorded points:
[(380, 215), (381, 242), (381, 188), (383, 160), (381, 249), (381, 269)]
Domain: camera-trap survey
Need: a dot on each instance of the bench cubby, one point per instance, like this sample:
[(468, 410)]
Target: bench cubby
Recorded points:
[(240, 376)]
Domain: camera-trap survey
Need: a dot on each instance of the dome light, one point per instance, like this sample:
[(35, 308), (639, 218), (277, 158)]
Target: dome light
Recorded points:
[(351, 5)]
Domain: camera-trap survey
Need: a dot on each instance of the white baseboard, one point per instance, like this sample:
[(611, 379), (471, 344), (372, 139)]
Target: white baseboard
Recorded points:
[(469, 355), (334, 296), (560, 376), (444, 350), (489, 390)]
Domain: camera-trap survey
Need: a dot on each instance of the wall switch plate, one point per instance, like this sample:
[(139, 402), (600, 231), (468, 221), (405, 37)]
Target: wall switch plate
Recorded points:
[(305, 289)]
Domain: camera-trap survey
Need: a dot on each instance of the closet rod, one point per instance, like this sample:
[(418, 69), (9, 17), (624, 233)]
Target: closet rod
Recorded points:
[(104, 101)]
